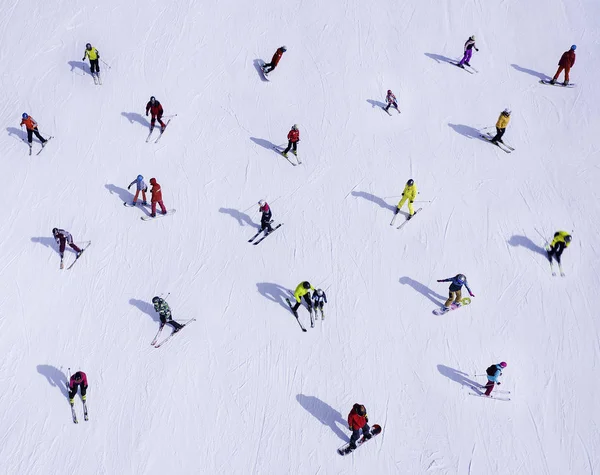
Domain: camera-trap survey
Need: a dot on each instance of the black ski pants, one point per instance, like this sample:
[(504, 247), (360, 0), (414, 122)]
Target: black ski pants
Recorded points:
[(73, 392), (499, 134), (30, 133), (169, 321), (356, 434), (265, 223), (555, 252), (291, 145), (94, 66), (308, 301)]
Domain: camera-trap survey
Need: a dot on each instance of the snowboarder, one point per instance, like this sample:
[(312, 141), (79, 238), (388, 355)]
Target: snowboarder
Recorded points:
[(140, 186), (501, 125), (567, 61), (469, 45), (455, 290), (493, 373), (319, 300), (32, 128), (156, 110), (303, 290), (391, 101), (265, 220), (293, 139), (268, 67), (94, 56), (62, 238), (156, 198), (162, 307), (409, 193), (357, 422), (561, 241), (78, 380)]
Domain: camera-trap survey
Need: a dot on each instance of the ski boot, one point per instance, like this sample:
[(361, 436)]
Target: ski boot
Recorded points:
[(367, 436), (284, 154), (145, 203), (553, 81), (295, 153), (467, 64), (566, 83)]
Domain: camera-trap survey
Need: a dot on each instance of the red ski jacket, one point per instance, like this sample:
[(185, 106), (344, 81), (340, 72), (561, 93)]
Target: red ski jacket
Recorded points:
[(156, 191), (156, 110), (567, 60), (356, 421), (294, 135)]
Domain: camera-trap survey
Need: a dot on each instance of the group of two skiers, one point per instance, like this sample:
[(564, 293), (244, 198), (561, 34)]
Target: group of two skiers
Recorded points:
[(315, 301), (156, 192)]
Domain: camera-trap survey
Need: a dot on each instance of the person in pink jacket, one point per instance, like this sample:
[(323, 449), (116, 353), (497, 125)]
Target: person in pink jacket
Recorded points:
[(78, 380)]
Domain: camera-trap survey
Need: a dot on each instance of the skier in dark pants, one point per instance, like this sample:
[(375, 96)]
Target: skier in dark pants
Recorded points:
[(78, 380), (293, 139), (265, 220), (501, 125), (493, 373), (303, 290), (162, 307), (92, 53), (32, 128), (357, 422), (156, 110), (561, 241), (63, 238)]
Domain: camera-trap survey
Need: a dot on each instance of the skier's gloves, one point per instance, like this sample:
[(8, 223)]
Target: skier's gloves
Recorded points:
[(129, 187), (83, 59), (476, 49), (472, 295), (439, 280)]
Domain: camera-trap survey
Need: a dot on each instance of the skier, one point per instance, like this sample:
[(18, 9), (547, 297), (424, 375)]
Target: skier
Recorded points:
[(357, 422), (303, 290), (455, 290), (32, 128), (409, 193), (140, 186), (78, 380), (493, 373), (162, 307), (94, 56), (567, 60), (391, 101), (319, 300), (156, 110), (469, 45), (561, 241), (156, 198), (293, 139), (501, 125), (62, 238), (265, 220), (267, 68)]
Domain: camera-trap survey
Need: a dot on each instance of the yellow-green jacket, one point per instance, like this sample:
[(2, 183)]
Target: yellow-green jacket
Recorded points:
[(503, 121), (301, 291), (560, 237), (92, 54), (410, 192)]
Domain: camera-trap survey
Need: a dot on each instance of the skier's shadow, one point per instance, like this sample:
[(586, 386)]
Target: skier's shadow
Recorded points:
[(274, 292), (423, 290), (135, 117), (531, 72), (55, 377), (122, 193), (17, 133), (439, 58), (527, 243), (46, 241), (375, 103), (324, 413), (79, 65), (242, 218), (374, 199), (257, 64), (145, 307), (263, 143), (459, 377), (467, 131)]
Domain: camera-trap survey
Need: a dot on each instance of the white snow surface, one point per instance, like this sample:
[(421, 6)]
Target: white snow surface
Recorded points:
[(242, 390)]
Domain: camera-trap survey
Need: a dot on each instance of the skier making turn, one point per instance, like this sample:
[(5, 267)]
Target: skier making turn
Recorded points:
[(469, 46), (94, 56), (265, 219), (391, 101), (358, 421), (293, 139), (162, 307), (561, 241), (409, 193), (493, 373), (140, 185), (455, 290), (567, 61), (78, 380), (319, 300), (32, 128), (501, 125), (62, 238), (268, 67), (156, 109)]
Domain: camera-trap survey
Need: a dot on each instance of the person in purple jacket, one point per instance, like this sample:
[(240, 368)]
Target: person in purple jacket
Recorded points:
[(454, 291), (469, 45)]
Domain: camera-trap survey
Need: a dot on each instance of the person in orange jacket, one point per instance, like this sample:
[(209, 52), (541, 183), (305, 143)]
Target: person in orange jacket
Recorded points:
[(156, 109), (32, 128), (567, 61), (293, 139), (357, 422), (267, 68), (156, 197)]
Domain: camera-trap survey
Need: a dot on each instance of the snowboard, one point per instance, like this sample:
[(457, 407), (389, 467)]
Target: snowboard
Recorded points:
[(543, 81), (345, 449), (441, 311), (265, 75), (158, 215)]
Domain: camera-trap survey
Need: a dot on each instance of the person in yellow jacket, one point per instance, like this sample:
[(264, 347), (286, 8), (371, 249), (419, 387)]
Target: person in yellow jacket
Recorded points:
[(303, 290), (501, 125), (94, 56), (561, 241), (409, 193)]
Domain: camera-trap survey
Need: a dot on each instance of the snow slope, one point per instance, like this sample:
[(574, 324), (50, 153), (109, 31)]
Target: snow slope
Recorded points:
[(243, 390)]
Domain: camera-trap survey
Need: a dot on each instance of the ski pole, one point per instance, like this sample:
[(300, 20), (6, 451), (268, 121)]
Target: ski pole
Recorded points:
[(105, 63)]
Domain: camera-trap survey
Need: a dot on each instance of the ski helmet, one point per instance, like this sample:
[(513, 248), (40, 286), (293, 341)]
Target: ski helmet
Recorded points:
[(503, 364), (306, 284), (88, 46), (77, 376), (506, 111), (55, 231), (295, 127), (573, 47), (152, 99), (262, 203), (153, 181), (472, 37), (319, 292), (361, 410), (568, 238), (139, 178), (156, 300), (461, 278), (24, 115), (410, 182), (389, 91), (284, 48)]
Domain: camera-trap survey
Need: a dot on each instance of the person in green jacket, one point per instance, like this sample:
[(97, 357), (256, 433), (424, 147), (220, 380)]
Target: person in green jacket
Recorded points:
[(303, 290)]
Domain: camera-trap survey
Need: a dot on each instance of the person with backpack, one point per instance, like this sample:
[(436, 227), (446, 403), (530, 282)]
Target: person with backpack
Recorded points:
[(455, 290), (358, 421), (493, 373)]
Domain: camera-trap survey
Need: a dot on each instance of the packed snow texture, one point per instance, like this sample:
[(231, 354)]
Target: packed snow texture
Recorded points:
[(243, 390)]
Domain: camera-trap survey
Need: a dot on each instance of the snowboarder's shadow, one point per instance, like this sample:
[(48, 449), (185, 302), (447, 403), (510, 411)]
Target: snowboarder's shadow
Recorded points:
[(145, 307), (46, 241), (439, 58), (124, 194), (375, 103), (531, 72), (55, 377), (135, 117), (242, 218), (263, 143), (467, 131), (257, 64), (423, 290), (324, 413), (459, 377), (527, 243), (374, 199), (274, 292), (17, 133), (75, 65)]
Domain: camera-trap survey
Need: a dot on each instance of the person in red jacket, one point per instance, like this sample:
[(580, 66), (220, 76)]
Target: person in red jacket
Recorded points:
[(78, 380), (157, 112), (293, 139), (156, 197), (358, 421), (567, 60), (32, 128), (267, 68)]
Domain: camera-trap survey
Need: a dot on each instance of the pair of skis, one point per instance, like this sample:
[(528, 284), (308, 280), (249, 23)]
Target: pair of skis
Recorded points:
[(288, 158), (162, 131), (562, 274), (62, 265), (265, 235), (97, 80), (162, 326), (408, 218), (41, 149), (74, 414), (388, 112), (501, 145), (471, 69), (479, 387)]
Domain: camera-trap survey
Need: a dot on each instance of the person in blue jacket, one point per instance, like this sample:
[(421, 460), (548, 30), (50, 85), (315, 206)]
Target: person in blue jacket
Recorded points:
[(455, 290), (493, 373)]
